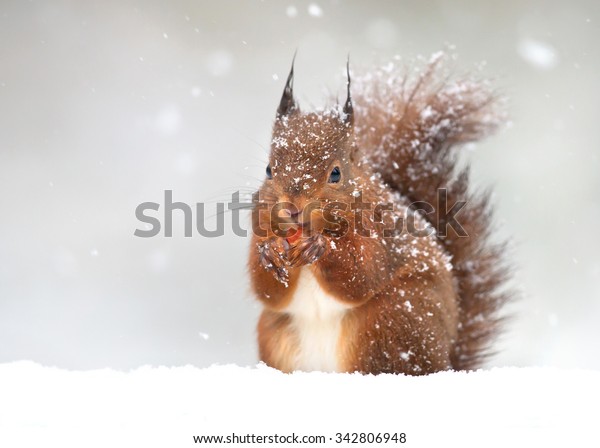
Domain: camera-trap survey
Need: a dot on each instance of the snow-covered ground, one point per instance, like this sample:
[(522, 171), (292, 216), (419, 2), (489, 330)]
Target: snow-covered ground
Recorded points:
[(149, 406)]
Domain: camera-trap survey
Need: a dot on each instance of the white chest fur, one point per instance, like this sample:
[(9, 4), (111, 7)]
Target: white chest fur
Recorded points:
[(317, 318)]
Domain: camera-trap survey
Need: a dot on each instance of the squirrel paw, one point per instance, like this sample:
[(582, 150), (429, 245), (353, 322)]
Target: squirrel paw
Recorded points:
[(308, 250), (271, 256)]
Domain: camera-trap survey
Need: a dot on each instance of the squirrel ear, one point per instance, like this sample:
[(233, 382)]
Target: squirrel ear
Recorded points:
[(348, 109), (287, 103)]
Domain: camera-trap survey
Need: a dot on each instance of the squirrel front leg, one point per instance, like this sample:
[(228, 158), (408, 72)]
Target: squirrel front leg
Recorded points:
[(308, 250), (273, 264), (272, 256), (356, 268), (271, 278)]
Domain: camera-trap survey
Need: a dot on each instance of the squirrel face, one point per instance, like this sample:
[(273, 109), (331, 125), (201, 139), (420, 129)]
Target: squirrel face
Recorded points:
[(313, 156)]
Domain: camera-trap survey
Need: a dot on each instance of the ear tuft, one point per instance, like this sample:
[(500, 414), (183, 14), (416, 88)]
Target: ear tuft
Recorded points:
[(348, 109), (288, 103)]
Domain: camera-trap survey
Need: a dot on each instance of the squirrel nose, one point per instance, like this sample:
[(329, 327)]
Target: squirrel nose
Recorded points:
[(291, 207), (291, 213)]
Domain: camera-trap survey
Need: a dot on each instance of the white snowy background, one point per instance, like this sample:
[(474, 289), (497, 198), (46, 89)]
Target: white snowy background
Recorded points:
[(104, 105)]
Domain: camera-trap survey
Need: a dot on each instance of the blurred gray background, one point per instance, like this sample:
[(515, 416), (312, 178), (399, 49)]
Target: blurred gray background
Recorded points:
[(104, 105)]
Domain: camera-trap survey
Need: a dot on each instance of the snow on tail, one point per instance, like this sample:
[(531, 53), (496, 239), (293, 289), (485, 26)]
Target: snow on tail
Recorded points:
[(410, 128)]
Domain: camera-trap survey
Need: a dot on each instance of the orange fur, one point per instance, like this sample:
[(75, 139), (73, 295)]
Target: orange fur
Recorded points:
[(410, 303)]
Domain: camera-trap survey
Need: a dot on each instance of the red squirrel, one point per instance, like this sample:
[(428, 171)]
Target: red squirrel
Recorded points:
[(385, 286)]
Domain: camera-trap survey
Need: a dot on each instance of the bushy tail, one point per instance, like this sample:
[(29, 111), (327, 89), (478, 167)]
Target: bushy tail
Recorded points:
[(410, 128)]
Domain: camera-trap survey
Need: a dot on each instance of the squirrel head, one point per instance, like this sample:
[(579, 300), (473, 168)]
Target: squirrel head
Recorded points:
[(313, 154)]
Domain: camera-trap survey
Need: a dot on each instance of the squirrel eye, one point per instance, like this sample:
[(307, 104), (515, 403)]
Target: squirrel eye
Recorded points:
[(335, 176), (269, 173)]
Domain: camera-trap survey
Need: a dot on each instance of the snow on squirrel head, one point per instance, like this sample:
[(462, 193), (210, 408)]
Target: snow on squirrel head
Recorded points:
[(313, 154)]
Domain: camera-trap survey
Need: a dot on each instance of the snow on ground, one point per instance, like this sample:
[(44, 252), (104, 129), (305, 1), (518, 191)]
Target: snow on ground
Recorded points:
[(43, 406)]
